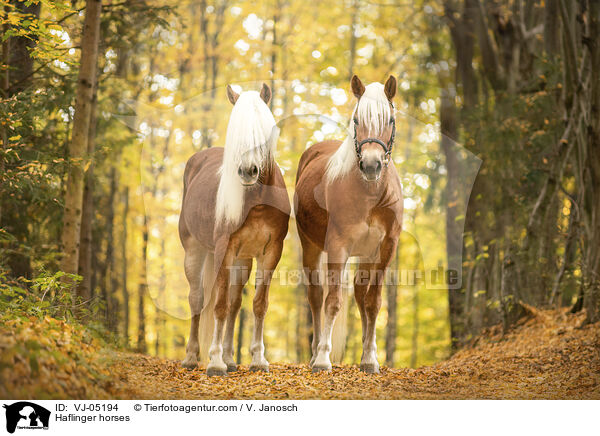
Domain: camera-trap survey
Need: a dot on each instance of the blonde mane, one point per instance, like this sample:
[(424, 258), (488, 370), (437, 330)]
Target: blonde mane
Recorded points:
[(372, 110), (251, 138)]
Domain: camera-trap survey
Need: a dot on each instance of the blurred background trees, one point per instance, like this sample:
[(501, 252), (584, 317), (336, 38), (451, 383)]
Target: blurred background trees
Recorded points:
[(513, 85), (526, 89)]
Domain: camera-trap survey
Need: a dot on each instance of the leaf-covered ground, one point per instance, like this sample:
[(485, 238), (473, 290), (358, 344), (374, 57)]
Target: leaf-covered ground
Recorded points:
[(549, 355), (51, 359)]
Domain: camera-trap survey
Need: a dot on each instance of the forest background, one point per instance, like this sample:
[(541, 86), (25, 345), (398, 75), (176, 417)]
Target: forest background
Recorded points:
[(498, 149)]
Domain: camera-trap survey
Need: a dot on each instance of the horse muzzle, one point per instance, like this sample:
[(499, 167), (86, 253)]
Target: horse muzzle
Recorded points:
[(249, 175), (370, 169)]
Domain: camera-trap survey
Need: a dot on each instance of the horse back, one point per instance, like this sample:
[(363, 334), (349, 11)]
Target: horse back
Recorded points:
[(200, 184), (318, 152), (311, 216), (208, 160)]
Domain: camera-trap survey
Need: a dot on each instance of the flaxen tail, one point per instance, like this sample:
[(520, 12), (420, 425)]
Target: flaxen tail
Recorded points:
[(207, 316)]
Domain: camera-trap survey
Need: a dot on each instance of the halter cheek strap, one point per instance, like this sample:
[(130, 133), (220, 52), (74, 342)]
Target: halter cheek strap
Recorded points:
[(386, 147)]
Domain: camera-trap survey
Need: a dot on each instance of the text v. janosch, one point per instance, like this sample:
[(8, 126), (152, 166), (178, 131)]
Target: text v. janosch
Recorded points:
[(236, 407)]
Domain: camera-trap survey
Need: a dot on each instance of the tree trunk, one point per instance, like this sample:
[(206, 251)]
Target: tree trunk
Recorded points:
[(449, 130), (241, 325), (109, 258), (551, 23), (392, 304), (157, 327), (79, 141), (17, 78), (124, 267), (21, 63), (414, 354), (160, 299), (592, 200), (5, 87), (95, 268), (353, 39), (87, 215), (274, 49), (303, 324), (462, 32), (143, 287)]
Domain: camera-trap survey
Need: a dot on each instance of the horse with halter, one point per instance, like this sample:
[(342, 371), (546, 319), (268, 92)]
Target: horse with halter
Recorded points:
[(235, 208), (348, 202)]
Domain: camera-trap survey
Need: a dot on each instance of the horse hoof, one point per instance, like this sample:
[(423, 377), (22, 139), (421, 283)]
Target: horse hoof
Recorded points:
[(212, 372), (259, 368), (231, 367), (319, 368), (369, 368), (189, 364)]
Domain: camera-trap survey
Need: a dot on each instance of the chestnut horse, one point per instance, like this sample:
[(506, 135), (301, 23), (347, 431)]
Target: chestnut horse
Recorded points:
[(348, 202), (235, 208)]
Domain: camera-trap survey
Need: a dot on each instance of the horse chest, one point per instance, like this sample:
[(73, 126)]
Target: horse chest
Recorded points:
[(253, 241), (368, 237)]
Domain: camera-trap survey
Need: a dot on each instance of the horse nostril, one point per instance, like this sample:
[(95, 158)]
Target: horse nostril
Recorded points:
[(254, 170), (378, 166), (240, 172), (361, 165)]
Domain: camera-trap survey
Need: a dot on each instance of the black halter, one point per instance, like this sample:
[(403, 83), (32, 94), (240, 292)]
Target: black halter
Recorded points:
[(386, 147)]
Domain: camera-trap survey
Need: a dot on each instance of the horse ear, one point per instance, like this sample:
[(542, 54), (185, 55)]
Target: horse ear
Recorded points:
[(265, 93), (232, 95), (358, 89), (390, 87)]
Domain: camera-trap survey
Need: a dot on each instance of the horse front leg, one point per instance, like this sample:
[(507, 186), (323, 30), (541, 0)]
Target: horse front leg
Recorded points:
[(372, 305), (335, 270), (264, 272), (238, 277), (362, 279), (216, 365)]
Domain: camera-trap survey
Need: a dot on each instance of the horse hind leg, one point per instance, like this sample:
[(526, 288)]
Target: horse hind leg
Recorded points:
[(238, 277), (311, 256), (195, 255)]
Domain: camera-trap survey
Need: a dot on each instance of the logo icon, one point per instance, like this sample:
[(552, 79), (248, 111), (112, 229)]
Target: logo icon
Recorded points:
[(26, 415)]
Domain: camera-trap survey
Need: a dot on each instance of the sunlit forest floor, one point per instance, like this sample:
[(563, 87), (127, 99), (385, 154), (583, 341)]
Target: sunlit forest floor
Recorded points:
[(549, 355)]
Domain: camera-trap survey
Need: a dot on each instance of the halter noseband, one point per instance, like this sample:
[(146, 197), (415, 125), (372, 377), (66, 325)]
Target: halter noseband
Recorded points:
[(386, 147)]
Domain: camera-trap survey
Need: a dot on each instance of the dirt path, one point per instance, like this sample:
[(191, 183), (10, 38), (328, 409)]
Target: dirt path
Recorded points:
[(548, 356)]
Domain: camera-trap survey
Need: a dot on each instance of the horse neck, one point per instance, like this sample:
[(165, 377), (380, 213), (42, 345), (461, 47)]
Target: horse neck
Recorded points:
[(268, 171)]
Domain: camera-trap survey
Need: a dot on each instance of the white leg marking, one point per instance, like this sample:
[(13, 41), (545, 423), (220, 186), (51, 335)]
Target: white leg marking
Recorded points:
[(322, 361), (216, 365), (369, 357), (235, 296), (259, 362)]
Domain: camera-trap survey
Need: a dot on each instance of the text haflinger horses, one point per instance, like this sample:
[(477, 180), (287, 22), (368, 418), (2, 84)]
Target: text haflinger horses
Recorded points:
[(348, 202), (235, 208)]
